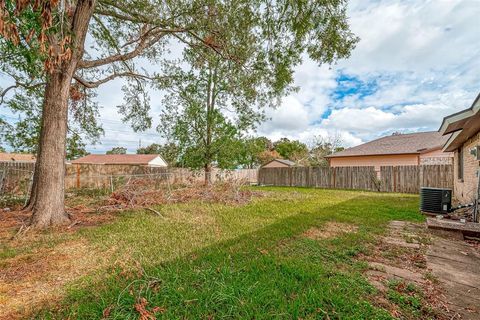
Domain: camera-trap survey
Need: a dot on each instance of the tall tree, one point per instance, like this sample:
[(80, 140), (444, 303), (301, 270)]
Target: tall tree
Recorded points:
[(117, 150), (212, 102), (256, 151), (22, 134), (267, 156), (43, 44), (322, 146), (291, 149), (170, 152)]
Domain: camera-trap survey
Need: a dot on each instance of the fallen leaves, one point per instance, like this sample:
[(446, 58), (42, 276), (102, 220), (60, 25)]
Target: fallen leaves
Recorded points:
[(145, 314)]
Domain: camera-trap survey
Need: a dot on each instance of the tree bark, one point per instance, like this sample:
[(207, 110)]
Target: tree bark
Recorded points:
[(49, 183), (47, 197), (208, 174)]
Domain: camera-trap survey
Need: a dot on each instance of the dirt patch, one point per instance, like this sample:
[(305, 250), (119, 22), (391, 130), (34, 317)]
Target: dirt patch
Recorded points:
[(403, 267), (330, 230), (33, 270), (35, 279)]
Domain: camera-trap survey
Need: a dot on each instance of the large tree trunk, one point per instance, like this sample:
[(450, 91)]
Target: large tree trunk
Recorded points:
[(48, 193), (48, 190)]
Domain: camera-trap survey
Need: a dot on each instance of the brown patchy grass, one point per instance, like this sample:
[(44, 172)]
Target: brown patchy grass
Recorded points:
[(30, 280), (36, 265), (330, 230)]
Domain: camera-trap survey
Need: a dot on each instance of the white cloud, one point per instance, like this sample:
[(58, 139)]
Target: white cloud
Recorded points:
[(419, 58), (292, 115)]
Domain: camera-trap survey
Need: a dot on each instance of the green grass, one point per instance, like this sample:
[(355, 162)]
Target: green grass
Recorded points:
[(209, 261)]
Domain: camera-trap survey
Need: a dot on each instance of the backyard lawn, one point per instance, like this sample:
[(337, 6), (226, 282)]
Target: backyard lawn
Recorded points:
[(289, 253)]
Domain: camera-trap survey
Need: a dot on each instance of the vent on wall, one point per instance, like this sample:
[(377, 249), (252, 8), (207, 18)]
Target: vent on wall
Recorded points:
[(435, 200)]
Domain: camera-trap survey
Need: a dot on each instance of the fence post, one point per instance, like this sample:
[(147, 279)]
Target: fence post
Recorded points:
[(334, 177), (420, 177), (394, 179), (78, 175)]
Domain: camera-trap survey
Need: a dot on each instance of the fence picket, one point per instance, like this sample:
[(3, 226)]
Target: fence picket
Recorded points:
[(403, 179)]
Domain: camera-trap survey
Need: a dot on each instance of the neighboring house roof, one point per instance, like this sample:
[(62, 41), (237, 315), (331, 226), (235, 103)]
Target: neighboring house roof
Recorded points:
[(411, 143), (284, 161), (19, 157), (461, 125), (136, 159)]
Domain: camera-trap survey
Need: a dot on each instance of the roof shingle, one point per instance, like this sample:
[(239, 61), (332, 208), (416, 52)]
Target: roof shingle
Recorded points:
[(19, 157), (139, 159), (397, 144)]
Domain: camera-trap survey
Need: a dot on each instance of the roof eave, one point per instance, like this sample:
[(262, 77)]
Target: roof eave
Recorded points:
[(372, 155), (450, 123), (450, 146)]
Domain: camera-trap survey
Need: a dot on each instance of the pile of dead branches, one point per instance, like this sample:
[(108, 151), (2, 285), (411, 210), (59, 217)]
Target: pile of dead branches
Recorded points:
[(136, 196)]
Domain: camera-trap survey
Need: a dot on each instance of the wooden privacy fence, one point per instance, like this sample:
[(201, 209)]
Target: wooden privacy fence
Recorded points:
[(405, 179), (15, 177), (99, 176)]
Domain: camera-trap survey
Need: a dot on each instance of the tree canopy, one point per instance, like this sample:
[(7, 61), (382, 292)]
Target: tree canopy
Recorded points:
[(117, 150), (291, 149), (170, 152), (44, 44)]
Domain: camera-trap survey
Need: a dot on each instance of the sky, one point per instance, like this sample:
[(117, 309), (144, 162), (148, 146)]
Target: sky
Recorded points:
[(416, 62)]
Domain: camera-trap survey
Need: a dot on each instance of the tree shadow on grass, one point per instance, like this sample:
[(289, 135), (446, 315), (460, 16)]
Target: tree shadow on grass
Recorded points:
[(271, 273)]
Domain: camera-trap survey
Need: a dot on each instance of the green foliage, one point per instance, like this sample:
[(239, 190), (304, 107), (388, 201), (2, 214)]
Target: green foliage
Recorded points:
[(217, 96), (238, 58), (170, 152), (22, 134), (253, 151), (408, 297), (322, 147), (291, 149), (195, 114), (75, 147), (117, 150)]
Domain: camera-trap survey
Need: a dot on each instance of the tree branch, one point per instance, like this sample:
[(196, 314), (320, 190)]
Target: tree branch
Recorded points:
[(95, 84), (4, 92), (17, 85), (148, 39)]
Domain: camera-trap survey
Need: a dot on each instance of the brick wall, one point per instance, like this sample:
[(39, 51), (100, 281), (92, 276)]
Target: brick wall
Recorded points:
[(435, 160), (465, 190)]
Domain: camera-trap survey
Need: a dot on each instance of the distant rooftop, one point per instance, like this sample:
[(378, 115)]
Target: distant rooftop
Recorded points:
[(287, 162), (18, 157), (410, 143), (139, 159)]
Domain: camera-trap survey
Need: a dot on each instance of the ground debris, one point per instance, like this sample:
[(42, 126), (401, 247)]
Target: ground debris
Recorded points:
[(406, 285), (135, 196), (330, 230), (145, 314)]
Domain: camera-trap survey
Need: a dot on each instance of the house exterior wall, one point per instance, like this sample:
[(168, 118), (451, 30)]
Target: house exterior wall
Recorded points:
[(465, 189), (275, 164), (376, 161), (436, 157)]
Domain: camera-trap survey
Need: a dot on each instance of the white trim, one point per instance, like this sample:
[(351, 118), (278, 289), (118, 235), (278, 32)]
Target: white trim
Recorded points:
[(462, 115), (450, 140), (158, 161)]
